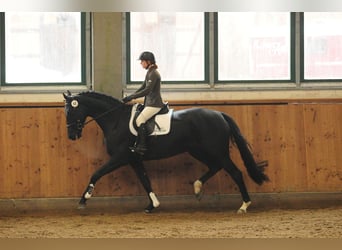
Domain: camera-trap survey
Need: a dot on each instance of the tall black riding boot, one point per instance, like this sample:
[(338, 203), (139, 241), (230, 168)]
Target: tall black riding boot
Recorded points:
[(140, 146)]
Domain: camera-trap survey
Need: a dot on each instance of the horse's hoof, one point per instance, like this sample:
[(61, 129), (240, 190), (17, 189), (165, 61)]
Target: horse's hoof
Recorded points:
[(241, 211), (243, 208), (81, 206), (199, 195), (149, 209)]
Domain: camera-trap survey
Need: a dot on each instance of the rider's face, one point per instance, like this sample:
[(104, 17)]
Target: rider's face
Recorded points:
[(144, 64)]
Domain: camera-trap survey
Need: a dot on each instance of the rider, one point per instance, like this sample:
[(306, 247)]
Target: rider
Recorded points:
[(150, 90)]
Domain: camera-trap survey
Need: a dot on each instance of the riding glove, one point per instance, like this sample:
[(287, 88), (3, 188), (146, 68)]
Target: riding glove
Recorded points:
[(127, 99)]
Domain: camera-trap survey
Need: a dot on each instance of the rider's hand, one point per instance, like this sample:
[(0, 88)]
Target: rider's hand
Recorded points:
[(127, 99)]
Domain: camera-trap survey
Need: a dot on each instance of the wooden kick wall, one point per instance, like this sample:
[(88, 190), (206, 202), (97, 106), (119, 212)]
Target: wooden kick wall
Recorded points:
[(302, 143)]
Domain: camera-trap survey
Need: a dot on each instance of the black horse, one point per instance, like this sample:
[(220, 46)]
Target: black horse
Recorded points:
[(203, 133)]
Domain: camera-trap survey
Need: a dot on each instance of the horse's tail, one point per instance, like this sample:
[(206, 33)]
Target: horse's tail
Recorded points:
[(255, 170)]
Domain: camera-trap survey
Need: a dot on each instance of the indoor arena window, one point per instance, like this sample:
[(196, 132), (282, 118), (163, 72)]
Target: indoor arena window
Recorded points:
[(253, 46), (42, 48), (322, 46), (176, 39)]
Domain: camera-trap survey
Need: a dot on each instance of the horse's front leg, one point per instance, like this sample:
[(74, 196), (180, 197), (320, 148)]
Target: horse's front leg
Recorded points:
[(110, 166), (140, 171)]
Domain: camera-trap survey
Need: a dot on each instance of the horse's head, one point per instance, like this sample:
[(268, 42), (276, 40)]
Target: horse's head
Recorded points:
[(75, 114)]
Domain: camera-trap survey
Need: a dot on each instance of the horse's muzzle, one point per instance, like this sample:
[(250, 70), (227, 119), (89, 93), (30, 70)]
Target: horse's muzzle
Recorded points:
[(74, 134), (73, 137), (75, 130)]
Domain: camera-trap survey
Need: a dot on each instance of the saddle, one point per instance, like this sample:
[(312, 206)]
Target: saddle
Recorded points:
[(159, 124)]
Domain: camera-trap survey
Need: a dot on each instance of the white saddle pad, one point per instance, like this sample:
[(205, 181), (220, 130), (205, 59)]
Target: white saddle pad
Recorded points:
[(163, 121)]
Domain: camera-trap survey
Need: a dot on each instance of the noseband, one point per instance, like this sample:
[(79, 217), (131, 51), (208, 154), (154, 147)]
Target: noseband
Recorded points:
[(78, 123)]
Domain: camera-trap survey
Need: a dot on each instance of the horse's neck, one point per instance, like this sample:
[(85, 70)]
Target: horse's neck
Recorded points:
[(96, 107), (106, 117), (96, 111)]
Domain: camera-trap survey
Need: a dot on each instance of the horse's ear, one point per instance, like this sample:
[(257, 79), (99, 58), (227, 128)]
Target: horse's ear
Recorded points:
[(66, 96)]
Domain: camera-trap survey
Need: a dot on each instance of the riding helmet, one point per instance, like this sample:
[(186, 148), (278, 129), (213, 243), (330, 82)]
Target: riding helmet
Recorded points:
[(147, 56)]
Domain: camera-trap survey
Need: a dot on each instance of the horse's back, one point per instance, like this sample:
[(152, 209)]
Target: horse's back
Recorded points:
[(198, 114), (194, 112), (202, 120)]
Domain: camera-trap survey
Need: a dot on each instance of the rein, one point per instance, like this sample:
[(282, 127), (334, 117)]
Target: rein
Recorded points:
[(92, 119), (101, 115)]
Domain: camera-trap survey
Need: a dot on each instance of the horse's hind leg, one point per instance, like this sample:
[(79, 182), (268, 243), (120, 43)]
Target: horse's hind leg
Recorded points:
[(204, 178), (213, 169), (236, 175), (140, 171)]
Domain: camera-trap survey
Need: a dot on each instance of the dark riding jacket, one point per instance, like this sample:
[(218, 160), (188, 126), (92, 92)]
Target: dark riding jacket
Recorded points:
[(150, 89)]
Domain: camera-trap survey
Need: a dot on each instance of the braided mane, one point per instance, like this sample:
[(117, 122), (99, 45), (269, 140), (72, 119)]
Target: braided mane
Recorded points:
[(96, 95)]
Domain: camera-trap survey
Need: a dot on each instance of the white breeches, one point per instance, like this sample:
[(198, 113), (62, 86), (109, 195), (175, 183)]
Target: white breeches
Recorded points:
[(146, 114)]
